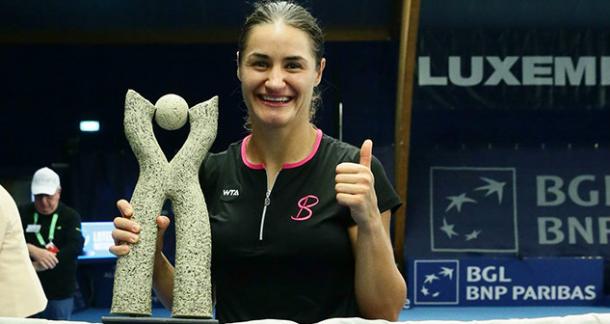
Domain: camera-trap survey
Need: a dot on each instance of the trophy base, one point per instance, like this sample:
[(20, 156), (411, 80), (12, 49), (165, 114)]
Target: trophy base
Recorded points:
[(156, 320)]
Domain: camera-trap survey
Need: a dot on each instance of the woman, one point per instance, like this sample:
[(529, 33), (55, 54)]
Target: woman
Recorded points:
[(300, 221)]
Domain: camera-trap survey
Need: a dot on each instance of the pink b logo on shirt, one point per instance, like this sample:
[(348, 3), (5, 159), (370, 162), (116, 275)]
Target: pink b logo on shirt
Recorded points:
[(304, 205)]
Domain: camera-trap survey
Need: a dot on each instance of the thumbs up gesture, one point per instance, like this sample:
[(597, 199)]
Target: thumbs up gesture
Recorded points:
[(355, 186)]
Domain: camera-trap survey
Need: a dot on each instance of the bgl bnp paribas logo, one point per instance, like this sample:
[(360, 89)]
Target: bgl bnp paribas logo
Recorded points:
[(436, 282), (473, 210)]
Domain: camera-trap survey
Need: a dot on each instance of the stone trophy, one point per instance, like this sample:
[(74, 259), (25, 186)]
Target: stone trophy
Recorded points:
[(178, 181)]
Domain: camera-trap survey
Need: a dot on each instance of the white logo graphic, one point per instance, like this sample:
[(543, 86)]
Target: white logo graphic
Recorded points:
[(473, 209), (436, 282), (516, 71), (230, 192)]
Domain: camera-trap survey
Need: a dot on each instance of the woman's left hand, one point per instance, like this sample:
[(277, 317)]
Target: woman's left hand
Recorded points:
[(355, 186)]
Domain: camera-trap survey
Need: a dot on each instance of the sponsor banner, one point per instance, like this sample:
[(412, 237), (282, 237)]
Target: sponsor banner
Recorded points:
[(512, 68), (526, 202), (505, 282)]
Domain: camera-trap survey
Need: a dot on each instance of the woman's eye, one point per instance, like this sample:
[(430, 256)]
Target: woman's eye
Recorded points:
[(260, 64), (293, 66)]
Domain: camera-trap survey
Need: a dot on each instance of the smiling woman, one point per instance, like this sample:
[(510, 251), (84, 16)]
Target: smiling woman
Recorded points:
[(278, 74), (284, 14), (300, 221)]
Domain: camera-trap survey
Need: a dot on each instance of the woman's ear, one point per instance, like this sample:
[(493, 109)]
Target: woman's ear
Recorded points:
[(320, 71), (237, 63)]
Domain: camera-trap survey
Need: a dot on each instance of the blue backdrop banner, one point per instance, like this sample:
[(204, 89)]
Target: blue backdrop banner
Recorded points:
[(521, 202), (505, 282)]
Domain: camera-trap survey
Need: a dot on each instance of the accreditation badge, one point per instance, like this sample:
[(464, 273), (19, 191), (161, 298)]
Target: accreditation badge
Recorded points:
[(32, 228)]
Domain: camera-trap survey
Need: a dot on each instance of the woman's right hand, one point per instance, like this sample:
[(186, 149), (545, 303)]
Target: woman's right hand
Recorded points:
[(126, 230)]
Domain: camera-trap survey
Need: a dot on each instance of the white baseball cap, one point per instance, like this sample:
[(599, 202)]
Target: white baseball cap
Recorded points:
[(45, 181)]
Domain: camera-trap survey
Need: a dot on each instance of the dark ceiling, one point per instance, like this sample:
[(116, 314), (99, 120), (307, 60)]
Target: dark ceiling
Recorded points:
[(173, 21), (195, 21)]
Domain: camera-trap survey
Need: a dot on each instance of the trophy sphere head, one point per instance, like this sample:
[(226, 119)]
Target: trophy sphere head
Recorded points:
[(171, 112)]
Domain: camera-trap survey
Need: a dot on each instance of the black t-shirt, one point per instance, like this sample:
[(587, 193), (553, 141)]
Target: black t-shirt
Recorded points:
[(59, 282), (288, 255)]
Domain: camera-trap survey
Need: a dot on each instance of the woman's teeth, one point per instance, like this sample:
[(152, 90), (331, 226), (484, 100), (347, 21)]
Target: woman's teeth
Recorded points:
[(276, 99)]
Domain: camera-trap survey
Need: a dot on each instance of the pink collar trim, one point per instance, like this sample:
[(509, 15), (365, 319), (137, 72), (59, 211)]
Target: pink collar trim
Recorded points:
[(261, 166)]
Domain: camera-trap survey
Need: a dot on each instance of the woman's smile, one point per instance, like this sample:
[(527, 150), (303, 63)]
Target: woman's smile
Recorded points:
[(275, 101)]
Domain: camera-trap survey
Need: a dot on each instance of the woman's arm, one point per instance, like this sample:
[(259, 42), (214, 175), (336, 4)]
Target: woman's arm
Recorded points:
[(163, 280), (380, 288)]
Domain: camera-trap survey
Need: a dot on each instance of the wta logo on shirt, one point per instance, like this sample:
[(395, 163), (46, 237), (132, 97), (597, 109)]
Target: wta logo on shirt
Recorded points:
[(304, 206), (229, 193)]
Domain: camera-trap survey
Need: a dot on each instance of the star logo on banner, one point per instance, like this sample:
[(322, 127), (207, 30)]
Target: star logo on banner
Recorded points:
[(473, 235), (465, 201), (493, 186), (458, 201), (430, 278), (424, 291), (447, 272), (448, 229), (438, 282)]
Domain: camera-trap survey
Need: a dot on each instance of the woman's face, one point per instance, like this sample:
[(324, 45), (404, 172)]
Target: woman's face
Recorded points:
[(278, 72)]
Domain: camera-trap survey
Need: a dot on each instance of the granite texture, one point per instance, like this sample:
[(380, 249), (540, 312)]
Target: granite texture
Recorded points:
[(172, 112), (177, 181)]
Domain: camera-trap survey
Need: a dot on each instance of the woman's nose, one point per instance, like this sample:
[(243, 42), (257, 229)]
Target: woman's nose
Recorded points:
[(275, 80)]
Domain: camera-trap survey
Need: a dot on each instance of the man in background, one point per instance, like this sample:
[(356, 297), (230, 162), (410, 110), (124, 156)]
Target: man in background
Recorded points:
[(54, 241), (21, 294)]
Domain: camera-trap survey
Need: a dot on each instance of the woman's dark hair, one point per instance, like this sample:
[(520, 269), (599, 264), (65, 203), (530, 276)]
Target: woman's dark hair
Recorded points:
[(291, 14)]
